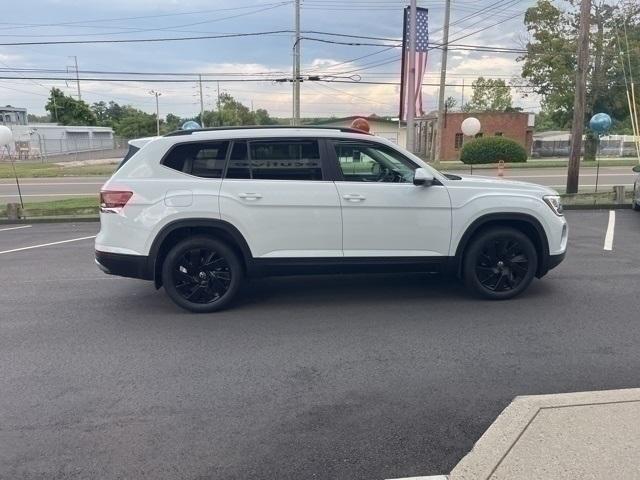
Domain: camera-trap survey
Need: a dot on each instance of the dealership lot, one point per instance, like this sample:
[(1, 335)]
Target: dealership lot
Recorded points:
[(359, 377)]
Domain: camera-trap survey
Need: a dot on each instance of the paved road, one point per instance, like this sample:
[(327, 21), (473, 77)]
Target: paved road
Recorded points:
[(336, 377), (40, 189)]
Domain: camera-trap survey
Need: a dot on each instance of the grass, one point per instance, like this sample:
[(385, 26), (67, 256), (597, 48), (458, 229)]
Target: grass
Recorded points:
[(79, 206), (615, 162), (43, 170)]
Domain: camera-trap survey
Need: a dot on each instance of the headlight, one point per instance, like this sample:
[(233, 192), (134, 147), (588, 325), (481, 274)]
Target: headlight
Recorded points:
[(554, 203)]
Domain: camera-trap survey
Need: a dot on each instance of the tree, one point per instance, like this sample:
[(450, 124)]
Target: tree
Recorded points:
[(31, 118), (174, 122), (548, 67), (135, 123), (100, 111), (450, 104), (489, 94), (69, 111)]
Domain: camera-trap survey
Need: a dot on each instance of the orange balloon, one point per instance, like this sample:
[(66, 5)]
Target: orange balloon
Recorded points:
[(361, 124)]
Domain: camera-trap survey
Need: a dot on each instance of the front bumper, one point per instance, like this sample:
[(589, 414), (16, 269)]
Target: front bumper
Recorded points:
[(132, 266)]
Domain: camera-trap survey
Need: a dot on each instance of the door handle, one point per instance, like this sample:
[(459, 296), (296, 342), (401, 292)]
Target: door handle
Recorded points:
[(250, 196), (354, 197)]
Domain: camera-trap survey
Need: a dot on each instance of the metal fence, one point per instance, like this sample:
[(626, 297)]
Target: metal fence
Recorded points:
[(69, 149), (609, 147)]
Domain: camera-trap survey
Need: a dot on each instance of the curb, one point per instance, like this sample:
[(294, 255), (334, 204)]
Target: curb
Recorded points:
[(601, 206), (498, 442)]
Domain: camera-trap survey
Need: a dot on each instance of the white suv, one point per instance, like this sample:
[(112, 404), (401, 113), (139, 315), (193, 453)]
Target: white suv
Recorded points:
[(198, 211)]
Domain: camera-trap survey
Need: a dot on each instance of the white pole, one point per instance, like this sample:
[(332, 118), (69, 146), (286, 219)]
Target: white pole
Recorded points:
[(296, 66), (411, 80), (157, 94), (201, 102)]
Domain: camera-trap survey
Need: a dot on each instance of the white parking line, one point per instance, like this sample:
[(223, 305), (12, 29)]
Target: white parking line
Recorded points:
[(608, 239), (14, 228), (47, 244)]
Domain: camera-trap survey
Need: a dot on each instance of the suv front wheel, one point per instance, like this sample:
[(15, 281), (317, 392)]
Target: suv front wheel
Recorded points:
[(500, 263), (202, 274)]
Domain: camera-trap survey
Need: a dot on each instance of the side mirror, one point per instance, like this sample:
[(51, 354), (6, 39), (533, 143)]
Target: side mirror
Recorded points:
[(422, 177), (636, 169)]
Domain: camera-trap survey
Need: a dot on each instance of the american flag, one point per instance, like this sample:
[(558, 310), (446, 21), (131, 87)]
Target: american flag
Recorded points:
[(422, 42)]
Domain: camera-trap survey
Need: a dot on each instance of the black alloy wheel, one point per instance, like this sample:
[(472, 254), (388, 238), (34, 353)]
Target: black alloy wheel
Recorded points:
[(500, 263), (201, 274)]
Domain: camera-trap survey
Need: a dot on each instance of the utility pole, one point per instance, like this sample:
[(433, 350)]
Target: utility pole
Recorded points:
[(218, 106), (296, 66), (75, 58), (411, 79), (157, 94), (579, 99), (443, 80), (201, 102), (462, 99)]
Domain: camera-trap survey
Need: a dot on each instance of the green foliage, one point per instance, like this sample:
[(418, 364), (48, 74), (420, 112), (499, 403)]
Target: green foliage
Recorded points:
[(232, 112), (549, 65), (67, 110), (31, 118), (492, 150), (489, 95), (450, 104), (131, 122), (135, 123)]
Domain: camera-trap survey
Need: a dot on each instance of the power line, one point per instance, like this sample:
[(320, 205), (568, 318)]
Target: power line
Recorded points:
[(140, 17), (172, 28), (147, 40)]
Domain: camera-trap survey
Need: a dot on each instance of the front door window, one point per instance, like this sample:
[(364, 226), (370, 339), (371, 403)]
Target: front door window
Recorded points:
[(366, 162)]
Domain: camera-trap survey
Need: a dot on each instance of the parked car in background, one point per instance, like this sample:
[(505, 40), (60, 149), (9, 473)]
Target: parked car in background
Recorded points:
[(198, 211)]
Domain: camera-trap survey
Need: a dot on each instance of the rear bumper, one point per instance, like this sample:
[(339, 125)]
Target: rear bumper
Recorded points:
[(132, 266)]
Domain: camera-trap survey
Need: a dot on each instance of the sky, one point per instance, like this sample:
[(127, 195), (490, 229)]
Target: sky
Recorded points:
[(269, 56)]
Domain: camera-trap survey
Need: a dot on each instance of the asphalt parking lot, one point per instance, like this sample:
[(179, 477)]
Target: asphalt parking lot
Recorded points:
[(332, 377)]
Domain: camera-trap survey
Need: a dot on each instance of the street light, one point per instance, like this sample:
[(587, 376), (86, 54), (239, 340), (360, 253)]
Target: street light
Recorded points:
[(157, 94)]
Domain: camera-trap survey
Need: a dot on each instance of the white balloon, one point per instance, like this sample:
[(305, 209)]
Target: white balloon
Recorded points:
[(6, 136), (470, 126)]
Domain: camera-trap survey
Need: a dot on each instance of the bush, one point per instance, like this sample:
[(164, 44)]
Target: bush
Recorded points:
[(492, 150)]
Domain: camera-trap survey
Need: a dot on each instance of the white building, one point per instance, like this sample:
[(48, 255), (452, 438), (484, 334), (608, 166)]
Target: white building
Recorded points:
[(46, 139), (390, 129)]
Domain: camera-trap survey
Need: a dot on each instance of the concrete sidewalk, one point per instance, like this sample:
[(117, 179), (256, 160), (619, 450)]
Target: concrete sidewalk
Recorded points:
[(586, 435)]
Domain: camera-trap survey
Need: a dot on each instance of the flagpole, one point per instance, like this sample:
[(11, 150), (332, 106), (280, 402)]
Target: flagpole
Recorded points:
[(411, 80)]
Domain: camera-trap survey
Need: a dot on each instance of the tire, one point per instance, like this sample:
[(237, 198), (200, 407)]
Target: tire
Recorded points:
[(500, 263), (636, 206), (202, 274)]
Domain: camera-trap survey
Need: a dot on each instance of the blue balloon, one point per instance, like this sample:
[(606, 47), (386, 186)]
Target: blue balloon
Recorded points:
[(600, 122), (190, 125)]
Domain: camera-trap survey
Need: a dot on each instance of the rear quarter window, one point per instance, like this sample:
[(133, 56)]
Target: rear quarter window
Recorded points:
[(201, 159), (132, 151)]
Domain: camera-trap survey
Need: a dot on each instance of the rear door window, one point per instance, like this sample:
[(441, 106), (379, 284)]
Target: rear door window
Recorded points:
[(276, 160), (201, 159)]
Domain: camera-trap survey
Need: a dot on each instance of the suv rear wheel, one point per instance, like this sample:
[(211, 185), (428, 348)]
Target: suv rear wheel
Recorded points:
[(202, 274), (500, 263)]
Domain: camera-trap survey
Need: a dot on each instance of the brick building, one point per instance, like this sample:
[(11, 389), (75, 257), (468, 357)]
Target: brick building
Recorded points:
[(517, 126)]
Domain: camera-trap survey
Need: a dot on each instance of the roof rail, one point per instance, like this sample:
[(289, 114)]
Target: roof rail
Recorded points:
[(264, 127)]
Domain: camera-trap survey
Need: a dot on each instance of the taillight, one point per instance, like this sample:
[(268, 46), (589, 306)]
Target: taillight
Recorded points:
[(112, 201)]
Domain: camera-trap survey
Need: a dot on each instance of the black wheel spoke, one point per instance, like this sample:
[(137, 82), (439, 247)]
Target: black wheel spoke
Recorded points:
[(501, 264), (202, 276)]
